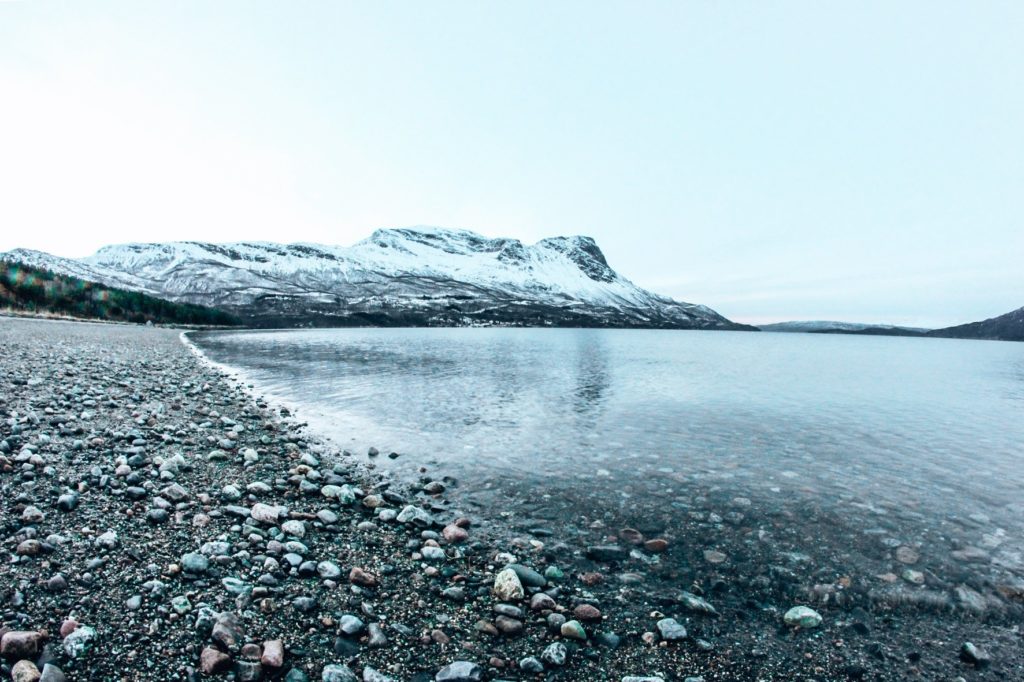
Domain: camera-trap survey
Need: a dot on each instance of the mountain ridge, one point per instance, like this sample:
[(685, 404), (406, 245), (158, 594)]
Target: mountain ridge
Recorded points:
[(396, 277)]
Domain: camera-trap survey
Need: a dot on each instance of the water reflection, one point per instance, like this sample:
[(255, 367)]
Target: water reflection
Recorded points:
[(860, 430)]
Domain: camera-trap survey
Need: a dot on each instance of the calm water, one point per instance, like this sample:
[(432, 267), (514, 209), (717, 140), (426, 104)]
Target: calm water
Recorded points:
[(932, 428)]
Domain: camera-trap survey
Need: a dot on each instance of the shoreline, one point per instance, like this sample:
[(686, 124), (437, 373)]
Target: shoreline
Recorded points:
[(275, 557)]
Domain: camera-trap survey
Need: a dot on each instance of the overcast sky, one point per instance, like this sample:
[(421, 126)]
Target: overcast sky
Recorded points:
[(858, 161)]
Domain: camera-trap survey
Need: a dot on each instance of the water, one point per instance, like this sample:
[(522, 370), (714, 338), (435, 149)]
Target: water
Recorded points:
[(899, 440)]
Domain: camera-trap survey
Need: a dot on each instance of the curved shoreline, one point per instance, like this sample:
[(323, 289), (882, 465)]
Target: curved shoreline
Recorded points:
[(363, 590)]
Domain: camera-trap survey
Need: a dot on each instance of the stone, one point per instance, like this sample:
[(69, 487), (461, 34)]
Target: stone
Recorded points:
[(328, 570), (265, 513), (433, 554), (607, 553), (227, 632), (414, 516), (67, 502), (454, 534), (528, 576), (541, 602), (338, 672), (460, 671), (21, 644), (371, 675), (906, 555), (273, 653), (351, 625), (507, 586), (108, 540), (32, 514), (696, 604), (29, 547), (52, 673), (671, 630), (78, 643), (25, 671), (572, 629), (913, 577), (377, 637), (553, 573), (344, 494), (295, 528), (586, 613), (181, 604), (713, 556), (555, 654), (508, 626), (973, 655), (531, 665), (248, 671), (802, 616), (213, 661), (656, 546), (358, 576), (193, 562)]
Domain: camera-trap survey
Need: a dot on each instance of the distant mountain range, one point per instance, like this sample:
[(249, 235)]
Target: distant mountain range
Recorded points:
[(828, 326), (1008, 327), (397, 277)]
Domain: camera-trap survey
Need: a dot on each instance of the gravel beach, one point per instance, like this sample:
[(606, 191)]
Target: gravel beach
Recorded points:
[(159, 522)]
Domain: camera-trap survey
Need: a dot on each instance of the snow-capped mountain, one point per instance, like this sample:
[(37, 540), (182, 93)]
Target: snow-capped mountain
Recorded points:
[(414, 276)]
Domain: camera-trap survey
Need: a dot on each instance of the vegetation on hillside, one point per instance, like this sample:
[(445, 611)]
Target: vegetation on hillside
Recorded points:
[(34, 290)]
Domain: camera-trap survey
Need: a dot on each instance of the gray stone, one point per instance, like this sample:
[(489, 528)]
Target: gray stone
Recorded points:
[(528, 576), (194, 562), (696, 604), (328, 570), (531, 665), (371, 675), (555, 654), (507, 586), (414, 516), (670, 629), (52, 673), (338, 672), (351, 625), (460, 671)]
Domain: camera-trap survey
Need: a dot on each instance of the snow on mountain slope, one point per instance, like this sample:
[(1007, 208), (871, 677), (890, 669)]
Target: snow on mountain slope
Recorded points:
[(413, 276)]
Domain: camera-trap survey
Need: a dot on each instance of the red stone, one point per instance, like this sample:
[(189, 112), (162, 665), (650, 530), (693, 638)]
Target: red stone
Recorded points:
[(657, 545), (213, 661), (273, 653), (360, 577), (21, 644), (586, 612)]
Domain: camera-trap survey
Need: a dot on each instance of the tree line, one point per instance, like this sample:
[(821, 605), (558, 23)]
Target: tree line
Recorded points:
[(36, 290)]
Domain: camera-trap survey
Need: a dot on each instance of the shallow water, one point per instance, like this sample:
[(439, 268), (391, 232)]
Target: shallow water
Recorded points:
[(928, 429)]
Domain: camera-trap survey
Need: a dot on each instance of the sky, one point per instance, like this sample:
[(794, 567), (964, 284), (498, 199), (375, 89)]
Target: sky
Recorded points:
[(858, 161)]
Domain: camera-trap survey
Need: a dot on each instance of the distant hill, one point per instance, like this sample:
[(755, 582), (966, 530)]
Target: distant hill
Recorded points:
[(833, 327), (35, 290), (1008, 327)]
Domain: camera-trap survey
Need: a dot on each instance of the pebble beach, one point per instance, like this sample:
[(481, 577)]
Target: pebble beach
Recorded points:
[(159, 521)]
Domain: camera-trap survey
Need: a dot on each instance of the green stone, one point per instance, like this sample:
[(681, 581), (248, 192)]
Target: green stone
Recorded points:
[(802, 616)]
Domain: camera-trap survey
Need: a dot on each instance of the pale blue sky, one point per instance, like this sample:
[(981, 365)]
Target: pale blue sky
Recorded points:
[(774, 160)]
